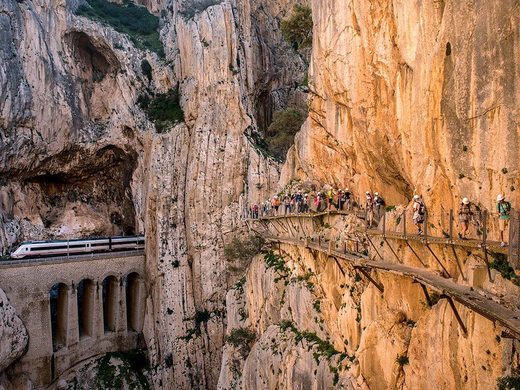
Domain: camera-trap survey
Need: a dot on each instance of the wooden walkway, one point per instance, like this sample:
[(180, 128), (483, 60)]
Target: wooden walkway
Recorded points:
[(447, 288), (493, 246)]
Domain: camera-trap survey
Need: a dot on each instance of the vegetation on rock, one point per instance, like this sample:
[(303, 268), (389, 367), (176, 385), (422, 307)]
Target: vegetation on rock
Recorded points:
[(510, 382), (163, 109), (196, 7), (280, 134), (241, 250), (241, 338), (297, 29), (135, 21)]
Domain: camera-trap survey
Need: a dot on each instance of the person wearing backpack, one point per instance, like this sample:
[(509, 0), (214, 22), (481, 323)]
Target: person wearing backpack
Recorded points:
[(419, 212), (465, 215), (504, 214)]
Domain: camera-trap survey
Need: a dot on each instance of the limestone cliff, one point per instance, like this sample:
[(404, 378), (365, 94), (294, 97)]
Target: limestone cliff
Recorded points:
[(14, 340), (414, 96), (80, 156)]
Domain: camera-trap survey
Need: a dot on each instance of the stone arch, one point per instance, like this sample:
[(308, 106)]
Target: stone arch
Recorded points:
[(59, 308), (134, 287), (86, 294), (110, 302)]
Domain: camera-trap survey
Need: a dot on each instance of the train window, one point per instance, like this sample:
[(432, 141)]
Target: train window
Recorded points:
[(49, 248)]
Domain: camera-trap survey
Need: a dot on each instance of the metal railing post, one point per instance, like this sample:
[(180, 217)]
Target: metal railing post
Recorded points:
[(425, 227), (384, 224), (484, 227), (404, 226), (451, 224)]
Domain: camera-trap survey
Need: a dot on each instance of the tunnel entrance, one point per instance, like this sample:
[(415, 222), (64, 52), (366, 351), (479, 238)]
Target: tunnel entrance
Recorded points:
[(134, 303), (110, 304), (86, 297), (59, 303)]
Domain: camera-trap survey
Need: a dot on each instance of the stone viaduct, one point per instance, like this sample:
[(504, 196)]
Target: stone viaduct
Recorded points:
[(75, 308)]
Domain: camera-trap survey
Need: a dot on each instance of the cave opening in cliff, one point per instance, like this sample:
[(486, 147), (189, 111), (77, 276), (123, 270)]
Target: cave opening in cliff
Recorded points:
[(59, 302), (110, 303), (86, 293), (83, 193), (94, 61)]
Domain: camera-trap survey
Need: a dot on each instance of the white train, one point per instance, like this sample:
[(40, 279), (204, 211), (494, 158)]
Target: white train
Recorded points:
[(72, 247)]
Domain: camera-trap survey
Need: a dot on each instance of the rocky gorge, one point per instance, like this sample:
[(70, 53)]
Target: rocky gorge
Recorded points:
[(403, 97)]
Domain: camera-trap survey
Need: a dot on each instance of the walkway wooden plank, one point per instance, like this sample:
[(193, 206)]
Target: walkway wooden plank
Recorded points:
[(464, 295)]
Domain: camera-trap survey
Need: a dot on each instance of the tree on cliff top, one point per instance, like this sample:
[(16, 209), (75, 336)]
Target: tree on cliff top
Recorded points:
[(297, 29)]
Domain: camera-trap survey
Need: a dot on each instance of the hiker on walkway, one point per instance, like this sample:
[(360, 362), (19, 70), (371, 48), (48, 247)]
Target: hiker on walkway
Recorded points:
[(266, 207), (330, 197), (465, 216), (347, 199), (504, 214), (318, 202), (419, 212), (299, 199), (379, 205), (305, 204), (369, 207), (287, 204), (255, 209), (276, 204)]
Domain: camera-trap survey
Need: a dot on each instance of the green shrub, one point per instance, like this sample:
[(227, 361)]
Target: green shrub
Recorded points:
[(243, 250), (280, 134), (195, 7), (135, 21), (297, 29), (241, 338), (501, 264), (511, 382), (163, 109), (146, 68)]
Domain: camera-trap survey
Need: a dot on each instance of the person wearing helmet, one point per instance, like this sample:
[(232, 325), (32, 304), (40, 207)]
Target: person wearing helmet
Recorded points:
[(419, 213), (504, 214), (465, 215)]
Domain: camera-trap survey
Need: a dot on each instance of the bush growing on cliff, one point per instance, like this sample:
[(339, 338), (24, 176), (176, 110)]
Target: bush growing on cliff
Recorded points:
[(164, 109), (510, 382), (243, 249), (196, 7), (297, 29), (241, 338), (280, 134), (135, 21)]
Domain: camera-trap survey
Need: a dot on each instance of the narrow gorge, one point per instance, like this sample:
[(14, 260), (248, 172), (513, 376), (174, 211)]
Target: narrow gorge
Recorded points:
[(219, 138)]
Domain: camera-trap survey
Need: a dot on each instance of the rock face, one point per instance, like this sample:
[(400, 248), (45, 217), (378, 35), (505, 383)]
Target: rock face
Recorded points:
[(410, 96), (407, 96), (203, 175), (80, 157), (12, 332)]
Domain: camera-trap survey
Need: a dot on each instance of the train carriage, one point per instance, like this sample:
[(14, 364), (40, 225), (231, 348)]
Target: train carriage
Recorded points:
[(79, 246)]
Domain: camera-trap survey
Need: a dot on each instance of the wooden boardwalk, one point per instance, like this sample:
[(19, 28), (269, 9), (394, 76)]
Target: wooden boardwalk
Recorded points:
[(465, 295)]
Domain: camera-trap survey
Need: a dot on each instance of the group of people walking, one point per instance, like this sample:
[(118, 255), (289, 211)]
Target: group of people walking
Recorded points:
[(374, 206)]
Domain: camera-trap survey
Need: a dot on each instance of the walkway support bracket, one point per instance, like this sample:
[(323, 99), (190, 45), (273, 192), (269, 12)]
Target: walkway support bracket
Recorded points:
[(378, 285), (456, 312), (437, 259)]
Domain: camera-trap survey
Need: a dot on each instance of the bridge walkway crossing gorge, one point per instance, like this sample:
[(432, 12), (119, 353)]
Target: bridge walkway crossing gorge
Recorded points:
[(75, 308), (353, 251)]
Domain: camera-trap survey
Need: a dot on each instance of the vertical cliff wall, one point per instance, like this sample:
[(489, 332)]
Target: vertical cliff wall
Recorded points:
[(205, 172), (414, 96)]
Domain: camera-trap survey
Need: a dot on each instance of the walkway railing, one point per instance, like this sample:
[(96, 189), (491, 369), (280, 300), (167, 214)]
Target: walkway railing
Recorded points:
[(447, 288), (443, 227)]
